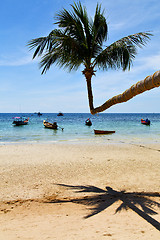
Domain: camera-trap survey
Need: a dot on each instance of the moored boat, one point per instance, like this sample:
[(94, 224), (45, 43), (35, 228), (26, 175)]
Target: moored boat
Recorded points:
[(103, 132), (145, 122), (18, 121), (50, 125), (39, 114), (60, 114), (88, 122)]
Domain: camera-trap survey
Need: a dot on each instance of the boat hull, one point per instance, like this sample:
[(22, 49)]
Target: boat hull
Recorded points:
[(20, 123), (88, 124), (103, 132)]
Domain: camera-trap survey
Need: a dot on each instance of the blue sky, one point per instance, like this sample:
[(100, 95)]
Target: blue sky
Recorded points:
[(24, 89)]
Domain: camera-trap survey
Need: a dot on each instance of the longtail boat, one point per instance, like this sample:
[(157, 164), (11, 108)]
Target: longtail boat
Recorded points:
[(18, 121), (145, 122), (103, 132), (50, 125)]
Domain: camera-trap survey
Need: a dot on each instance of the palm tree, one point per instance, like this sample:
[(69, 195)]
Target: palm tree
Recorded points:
[(79, 40)]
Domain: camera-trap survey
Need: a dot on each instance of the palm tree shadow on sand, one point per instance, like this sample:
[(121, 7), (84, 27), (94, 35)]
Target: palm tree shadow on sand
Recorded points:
[(140, 202)]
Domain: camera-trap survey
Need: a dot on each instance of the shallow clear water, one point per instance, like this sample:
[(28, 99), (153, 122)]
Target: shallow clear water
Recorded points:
[(127, 126)]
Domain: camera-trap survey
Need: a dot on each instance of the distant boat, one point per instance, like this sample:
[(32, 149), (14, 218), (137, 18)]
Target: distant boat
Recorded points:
[(60, 114), (39, 114), (50, 125), (145, 122), (88, 122), (18, 121), (103, 132)]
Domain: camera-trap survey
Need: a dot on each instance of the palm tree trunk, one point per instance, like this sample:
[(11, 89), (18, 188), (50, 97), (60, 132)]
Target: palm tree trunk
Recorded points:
[(90, 95), (89, 72), (148, 83)]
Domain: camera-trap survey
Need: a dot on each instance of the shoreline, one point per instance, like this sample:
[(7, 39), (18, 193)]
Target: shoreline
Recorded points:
[(101, 140), (56, 186)]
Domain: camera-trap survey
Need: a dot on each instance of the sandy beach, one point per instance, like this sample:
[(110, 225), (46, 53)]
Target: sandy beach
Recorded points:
[(76, 192)]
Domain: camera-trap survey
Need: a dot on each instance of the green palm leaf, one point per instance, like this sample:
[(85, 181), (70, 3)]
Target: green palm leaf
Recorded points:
[(121, 53)]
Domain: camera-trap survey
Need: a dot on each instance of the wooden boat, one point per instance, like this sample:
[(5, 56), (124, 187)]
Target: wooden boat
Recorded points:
[(88, 122), (145, 122), (103, 132), (19, 121), (50, 125)]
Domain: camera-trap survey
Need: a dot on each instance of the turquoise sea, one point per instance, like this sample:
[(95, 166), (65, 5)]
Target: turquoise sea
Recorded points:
[(128, 128)]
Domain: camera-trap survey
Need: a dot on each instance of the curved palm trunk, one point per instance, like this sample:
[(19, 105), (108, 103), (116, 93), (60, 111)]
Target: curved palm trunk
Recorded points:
[(148, 83)]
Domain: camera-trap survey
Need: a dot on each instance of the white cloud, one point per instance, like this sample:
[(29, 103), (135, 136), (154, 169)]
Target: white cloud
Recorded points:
[(151, 62), (15, 60)]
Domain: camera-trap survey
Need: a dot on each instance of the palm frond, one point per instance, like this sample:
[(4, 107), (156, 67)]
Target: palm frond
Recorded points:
[(65, 53), (76, 25), (60, 59), (122, 52), (71, 23), (43, 43), (82, 15), (99, 32), (138, 39), (100, 28)]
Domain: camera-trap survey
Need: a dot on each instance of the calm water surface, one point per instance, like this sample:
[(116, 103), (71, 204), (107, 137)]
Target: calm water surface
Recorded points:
[(127, 126)]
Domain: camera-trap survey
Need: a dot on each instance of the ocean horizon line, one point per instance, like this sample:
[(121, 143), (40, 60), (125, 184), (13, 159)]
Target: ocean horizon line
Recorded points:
[(80, 113)]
